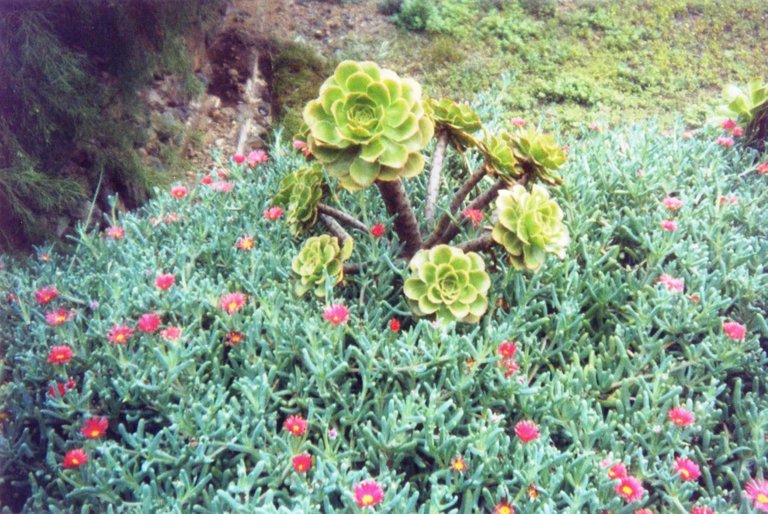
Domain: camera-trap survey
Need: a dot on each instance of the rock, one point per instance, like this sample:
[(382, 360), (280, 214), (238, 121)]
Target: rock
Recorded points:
[(154, 99)]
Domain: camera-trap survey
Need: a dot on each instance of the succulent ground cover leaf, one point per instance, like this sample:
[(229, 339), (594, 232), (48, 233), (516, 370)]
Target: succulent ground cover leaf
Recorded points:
[(743, 104), (501, 158), (368, 124), (448, 283), (530, 226), (299, 193), (538, 154), (458, 119), (319, 256)]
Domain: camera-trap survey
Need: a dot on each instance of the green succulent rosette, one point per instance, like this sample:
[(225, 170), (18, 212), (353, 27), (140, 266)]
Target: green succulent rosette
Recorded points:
[(530, 226), (368, 124), (299, 193), (448, 283), (500, 158), (320, 256), (538, 154), (743, 104), (459, 120)]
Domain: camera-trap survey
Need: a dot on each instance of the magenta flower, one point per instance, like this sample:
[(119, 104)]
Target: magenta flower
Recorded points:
[(735, 331), (672, 203), (669, 225), (681, 417), (257, 157), (336, 314), (726, 142), (526, 431), (687, 469), (757, 491), (674, 285)]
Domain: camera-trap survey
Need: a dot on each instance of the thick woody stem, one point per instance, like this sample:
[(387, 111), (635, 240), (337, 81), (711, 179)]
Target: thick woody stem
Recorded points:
[(481, 244), (334, 227), (453, 209), (397, 204), (479, 203), (352, 269), (433, 187), (341, 216)]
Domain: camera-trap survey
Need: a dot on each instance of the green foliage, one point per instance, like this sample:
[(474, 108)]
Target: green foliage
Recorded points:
[(368, 124), (389, 7), (743, 105), (449, 284), (530, 226), (538, 154), (320, 257), (299, 193), (501, 158), (459, 120), (415, 14)]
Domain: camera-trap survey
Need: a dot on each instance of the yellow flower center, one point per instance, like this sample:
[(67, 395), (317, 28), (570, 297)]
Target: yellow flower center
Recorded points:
[(296, 429), (300, 467), (232, 306), (95, 433), (367, 499), (685, 473), (505, 510), (75, 460), (627, 490), (762, 498), (120, 338), (61, 318)]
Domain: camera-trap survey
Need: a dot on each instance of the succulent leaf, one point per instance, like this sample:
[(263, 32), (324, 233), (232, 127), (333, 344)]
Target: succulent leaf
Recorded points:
[(319, 256), (501, 158), (459, 120), (538, 154), (448, 283), (530, 226), (368, 124), (299, 193)]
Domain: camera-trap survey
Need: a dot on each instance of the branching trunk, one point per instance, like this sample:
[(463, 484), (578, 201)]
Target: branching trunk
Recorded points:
[(479, 203), (342, 217), (352, 269), (397, 204), (481, 244), (433, 187), (334, 227)]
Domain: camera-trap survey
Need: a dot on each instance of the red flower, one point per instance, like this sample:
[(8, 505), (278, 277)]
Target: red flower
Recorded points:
[(60, 389), (119, 334), (630, 488), (735, 331), (507, 349), (207, 180), (378, 230), (60, 355), (257, 157), (222, 186), (234, 338), (164, 281), (737, 132), (295, 425), (617, 471), (526, 431), (694, 298), (93, 428), (672, 203), (730, 200), (702, 510), (46, 294), (510, 367), (643, 511), (762, 168), (474, 215), (517, 122), (687, 469), (728, 124), (273, 213), (149, 322), (170, 333), (394, 325), (368, 493), (302, 463), (238, 158), (726, 142), (680, 416), (245, 243), (336, 314), (114, 232), (669, 225), (178, 192), (75, 459), (458, 464), (503, 507), (757, 491), (57, 317), (232, 302)]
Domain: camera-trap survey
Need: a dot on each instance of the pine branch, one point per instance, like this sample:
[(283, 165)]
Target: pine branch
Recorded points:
[(342, 217), (453, 209), (397, 204), (334, 227), (433, 187)]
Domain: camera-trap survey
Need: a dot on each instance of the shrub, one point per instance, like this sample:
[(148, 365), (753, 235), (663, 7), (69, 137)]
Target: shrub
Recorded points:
[(415, 14)]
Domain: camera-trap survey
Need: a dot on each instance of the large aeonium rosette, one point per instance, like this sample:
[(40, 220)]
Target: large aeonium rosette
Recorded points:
[(530, 226), (448, 283), (538, 154), (320, 256), (300, 192), (368, 124)]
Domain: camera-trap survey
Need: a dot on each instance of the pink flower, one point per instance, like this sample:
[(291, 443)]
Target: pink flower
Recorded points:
[(368, 493), (643, 511), (630, 488), (378, 230), (517, 122), (238, 158), (170, 334), (762, 168), (164, 281), (617, 471), (149, 322), (702, 510), (510, 367), (222, 174), (507, 349), (74, 459), (302, 463), (526, 431), (60, 389), (734, 330), (728, 124), (114, 232), (232, 302), (687, 469), (336, 314), (730, 200), (273, 213), (57, 317), (257, 157), (474, 215), (295, 425), (726, 142), (299, 145), (245, 243), (60, 354), (674, 285), (669, 225), (681, 417), (688, 134), (594, 127), (179, 192), (672, 203), (222, 186), (207, 180), (757, 491), (46, 294), (737, 132), (119, 334)]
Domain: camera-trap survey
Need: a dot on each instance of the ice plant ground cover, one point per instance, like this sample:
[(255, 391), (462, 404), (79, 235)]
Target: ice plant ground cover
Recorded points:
[(617, 382)]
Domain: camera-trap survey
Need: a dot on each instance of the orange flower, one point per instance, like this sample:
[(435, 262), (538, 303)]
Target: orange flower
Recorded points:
[(503, 507), (458, 464), (234, 338), (245, 243)]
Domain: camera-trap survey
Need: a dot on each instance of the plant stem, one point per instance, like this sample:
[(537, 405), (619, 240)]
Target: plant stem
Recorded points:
[(352, 269), (458, 199), (479, 203), (433, 187), (334, 227), (481, 244), (397, 204), (341, 216)]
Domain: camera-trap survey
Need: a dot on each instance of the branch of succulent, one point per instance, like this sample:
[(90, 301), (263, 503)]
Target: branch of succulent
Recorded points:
[(481, 244), (453, 209), (342, 217), (396, 201), (352, 269), (334, 227), (433, 187), (480, 203)]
